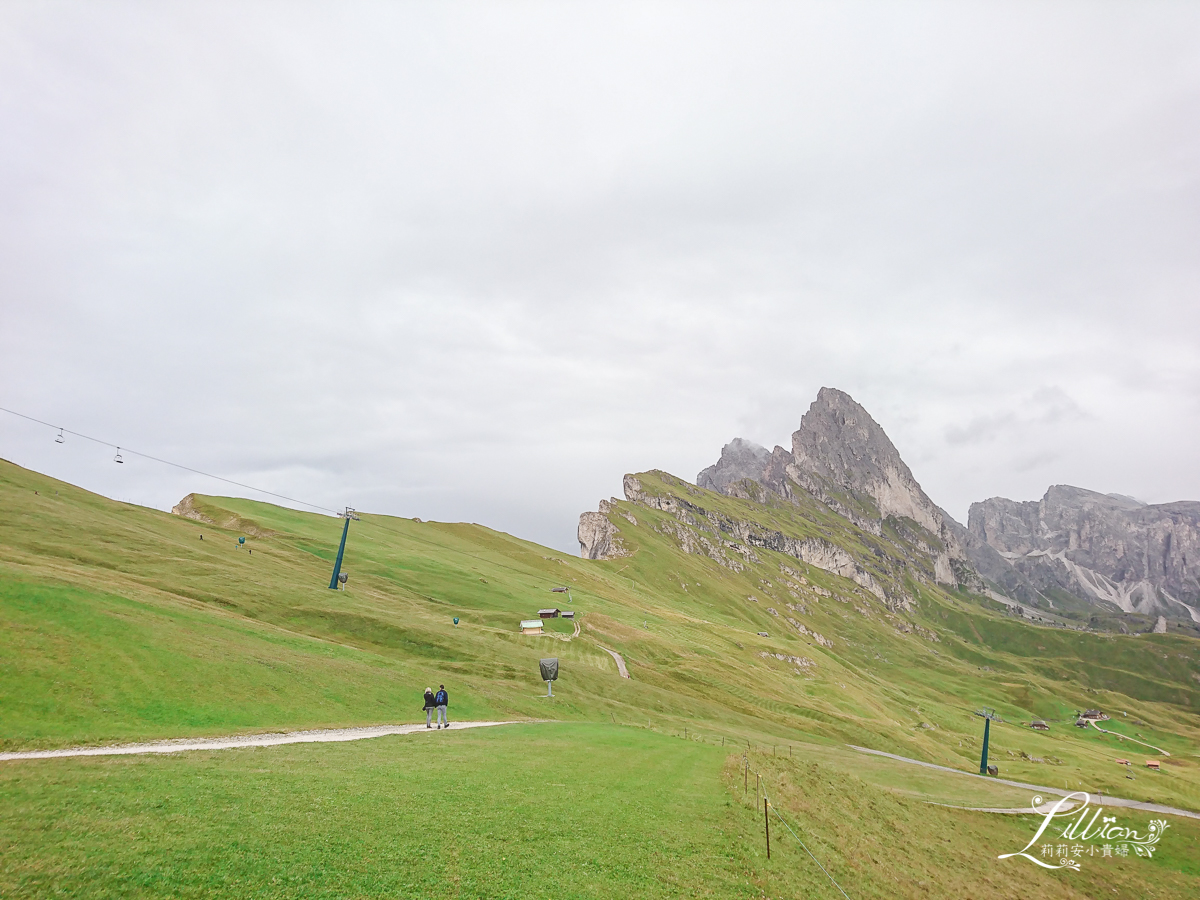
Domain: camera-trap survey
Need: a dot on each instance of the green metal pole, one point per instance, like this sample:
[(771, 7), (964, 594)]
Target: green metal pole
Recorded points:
[(337, 565), (983, 759)]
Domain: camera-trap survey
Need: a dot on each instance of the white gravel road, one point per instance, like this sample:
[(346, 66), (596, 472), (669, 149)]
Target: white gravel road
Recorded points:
[(1101, 799), (326, 735)]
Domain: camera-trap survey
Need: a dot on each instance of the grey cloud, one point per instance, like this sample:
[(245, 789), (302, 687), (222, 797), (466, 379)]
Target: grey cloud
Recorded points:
[(981, 428), (470, 261)]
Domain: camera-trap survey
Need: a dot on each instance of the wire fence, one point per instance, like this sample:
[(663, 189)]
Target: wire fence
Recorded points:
[(761, 794), (768, 808)]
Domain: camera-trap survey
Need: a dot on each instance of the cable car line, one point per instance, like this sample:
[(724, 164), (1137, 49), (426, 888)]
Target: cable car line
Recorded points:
[(166, 462)]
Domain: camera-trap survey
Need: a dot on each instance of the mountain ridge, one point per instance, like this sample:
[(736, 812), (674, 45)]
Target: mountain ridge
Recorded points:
[(1021, 554)]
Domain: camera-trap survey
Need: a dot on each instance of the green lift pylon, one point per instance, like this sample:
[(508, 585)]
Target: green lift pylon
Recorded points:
[(337, 564), (988, 715)]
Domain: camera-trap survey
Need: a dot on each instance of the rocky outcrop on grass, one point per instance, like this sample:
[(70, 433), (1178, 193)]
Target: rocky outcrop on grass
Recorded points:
[(598, 537), (194, 507), (734, 542)]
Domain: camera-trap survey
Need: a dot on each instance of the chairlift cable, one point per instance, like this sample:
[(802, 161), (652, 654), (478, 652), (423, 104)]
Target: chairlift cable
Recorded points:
[(165, 462)]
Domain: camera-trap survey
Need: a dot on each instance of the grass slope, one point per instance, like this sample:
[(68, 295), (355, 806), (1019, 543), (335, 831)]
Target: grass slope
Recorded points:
[(529, 811), (121, 623)]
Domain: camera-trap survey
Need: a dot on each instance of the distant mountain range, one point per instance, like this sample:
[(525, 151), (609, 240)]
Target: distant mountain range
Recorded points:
[(1106, 549), (1075, 552)]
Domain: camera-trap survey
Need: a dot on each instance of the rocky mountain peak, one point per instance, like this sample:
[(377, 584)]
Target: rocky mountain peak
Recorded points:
[(838, 450), (837, 439), (839, 442), (740, 459), (839, 446)]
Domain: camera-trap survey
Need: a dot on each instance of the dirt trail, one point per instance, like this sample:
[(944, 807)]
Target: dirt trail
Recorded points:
[(1015, 811), (1125, 737), (326, 735), (620, 662), (564, 637), (1104, 800)]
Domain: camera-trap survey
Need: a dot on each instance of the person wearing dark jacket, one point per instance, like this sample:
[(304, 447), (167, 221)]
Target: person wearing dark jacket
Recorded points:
[(442, 700), (430, 706)]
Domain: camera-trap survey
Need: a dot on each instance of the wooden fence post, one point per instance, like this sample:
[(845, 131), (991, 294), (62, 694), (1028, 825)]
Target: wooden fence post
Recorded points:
[(767, 819)]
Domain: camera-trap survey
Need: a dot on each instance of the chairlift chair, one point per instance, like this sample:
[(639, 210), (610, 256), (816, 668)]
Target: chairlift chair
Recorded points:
[(117, 458), (58, 438)]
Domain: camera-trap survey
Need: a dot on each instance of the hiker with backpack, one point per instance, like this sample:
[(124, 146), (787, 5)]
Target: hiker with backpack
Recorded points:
[(430, 706), (442, 700)]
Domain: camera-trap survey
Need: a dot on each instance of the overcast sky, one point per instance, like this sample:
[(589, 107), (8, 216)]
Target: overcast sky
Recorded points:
[(475, 262)]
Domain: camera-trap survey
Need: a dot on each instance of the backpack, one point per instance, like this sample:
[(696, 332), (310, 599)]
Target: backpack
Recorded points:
[(442, 699)]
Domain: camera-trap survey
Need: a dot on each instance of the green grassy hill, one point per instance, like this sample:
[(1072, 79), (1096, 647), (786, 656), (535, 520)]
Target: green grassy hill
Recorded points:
[(122, 623)]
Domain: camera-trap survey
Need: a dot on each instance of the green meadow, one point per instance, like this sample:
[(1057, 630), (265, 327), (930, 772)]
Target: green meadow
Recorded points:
[(546, 810), (122, 623)]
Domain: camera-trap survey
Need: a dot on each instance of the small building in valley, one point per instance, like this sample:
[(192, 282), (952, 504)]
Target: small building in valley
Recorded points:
[(1094, 715), (549, 613), (531, 626), (1152, 764), (1039, 725), (568, 614)]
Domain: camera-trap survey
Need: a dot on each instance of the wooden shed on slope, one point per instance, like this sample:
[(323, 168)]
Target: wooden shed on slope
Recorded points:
[(549, 613), (1039, 725), (531, 626)]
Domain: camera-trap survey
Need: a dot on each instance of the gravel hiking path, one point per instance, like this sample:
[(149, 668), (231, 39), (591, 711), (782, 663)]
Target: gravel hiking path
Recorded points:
[(322, 736), (1028, 810), (564, 637), (1125, 737), (620, 662), (1101, 800)]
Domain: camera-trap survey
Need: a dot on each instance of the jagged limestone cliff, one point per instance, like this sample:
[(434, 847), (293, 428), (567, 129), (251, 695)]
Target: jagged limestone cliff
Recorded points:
[(1105, 548)]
